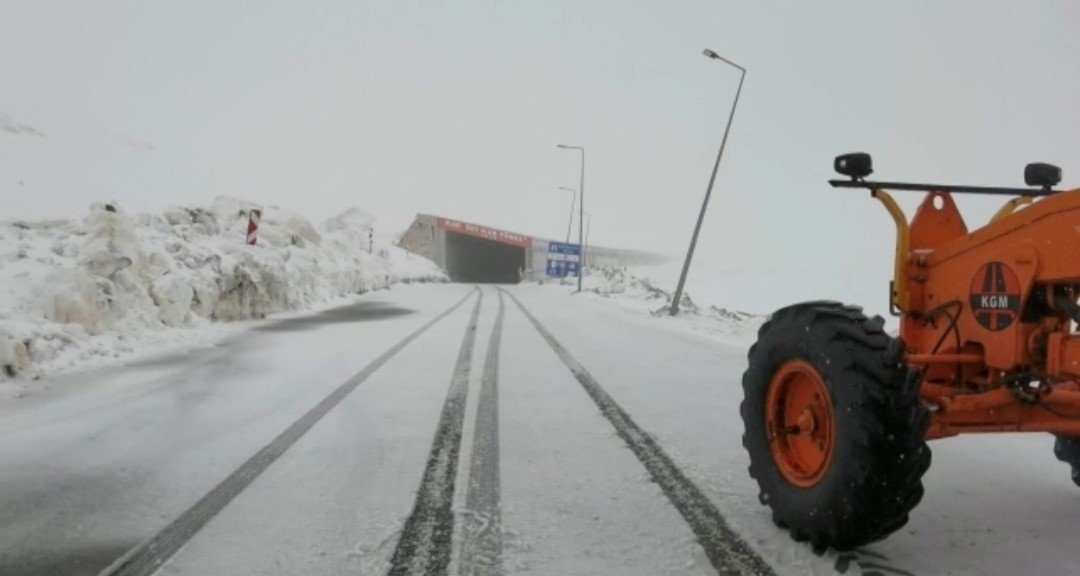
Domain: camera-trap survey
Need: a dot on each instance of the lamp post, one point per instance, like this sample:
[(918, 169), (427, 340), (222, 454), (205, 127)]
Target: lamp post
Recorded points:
[(712, 180), (584, 247), (581, 213), (573, 201)]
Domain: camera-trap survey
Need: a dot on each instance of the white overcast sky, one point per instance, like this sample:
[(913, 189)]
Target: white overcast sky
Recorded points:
[(455, 108)]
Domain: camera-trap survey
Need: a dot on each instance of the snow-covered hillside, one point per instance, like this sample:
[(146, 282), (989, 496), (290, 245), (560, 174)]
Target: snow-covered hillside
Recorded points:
[(76, 291)]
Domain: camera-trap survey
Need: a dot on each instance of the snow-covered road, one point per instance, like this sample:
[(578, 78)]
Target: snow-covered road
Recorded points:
[(441, 427)]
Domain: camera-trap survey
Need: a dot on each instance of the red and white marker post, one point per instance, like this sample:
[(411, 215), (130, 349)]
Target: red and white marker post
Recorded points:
[(253, 226)]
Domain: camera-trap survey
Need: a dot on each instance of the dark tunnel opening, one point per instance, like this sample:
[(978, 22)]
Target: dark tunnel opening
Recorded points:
[(471, 259)]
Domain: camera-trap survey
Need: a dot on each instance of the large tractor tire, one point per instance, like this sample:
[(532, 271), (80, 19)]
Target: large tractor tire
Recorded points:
[(833, 424), (1067, 449)]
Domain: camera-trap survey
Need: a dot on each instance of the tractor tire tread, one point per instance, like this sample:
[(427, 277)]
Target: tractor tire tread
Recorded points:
[(885, 447), (1067, 449)]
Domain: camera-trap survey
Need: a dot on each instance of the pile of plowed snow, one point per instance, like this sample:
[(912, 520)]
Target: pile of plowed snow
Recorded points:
[(638, 293), (75, 290)]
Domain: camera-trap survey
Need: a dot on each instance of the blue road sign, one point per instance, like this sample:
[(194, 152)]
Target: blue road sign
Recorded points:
[(563, 259)]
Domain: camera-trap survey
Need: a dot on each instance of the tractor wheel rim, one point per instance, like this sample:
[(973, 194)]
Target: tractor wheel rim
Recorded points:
[(799, 423)]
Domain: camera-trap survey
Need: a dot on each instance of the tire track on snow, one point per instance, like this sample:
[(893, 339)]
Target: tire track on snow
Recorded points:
[(727, 551), (425, 543), (481, 543)]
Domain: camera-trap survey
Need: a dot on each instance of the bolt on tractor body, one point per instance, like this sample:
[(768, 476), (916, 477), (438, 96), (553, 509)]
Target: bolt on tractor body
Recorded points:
[(838, 412)]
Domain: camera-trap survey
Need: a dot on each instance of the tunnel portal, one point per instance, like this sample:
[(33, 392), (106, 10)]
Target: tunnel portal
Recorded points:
[(479, 260), (470, 252)]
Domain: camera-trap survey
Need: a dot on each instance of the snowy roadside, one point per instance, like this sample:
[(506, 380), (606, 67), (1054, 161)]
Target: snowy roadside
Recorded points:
[(76, 294), (620, 286)]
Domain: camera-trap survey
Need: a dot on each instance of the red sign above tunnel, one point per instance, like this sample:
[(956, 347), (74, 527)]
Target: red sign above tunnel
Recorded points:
[(485, 233)]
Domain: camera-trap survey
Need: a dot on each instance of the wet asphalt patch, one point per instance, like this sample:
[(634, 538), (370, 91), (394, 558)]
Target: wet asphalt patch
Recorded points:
[(359, 312), (86, 560)]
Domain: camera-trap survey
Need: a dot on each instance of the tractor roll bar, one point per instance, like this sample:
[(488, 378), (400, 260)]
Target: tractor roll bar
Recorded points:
[(941, 188)]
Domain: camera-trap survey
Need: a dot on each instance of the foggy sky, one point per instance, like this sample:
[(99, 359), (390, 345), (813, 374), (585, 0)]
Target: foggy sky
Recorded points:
[(456, 108)]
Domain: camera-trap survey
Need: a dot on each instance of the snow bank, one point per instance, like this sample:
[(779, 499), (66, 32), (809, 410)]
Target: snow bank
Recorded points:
[(629, 291), (72, 290)]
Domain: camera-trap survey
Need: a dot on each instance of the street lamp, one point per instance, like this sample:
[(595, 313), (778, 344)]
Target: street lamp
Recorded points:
[(581, 212), (588, 226), (712, 180), (573, 201)]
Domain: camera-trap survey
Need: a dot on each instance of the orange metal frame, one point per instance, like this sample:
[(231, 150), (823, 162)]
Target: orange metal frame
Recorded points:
[(992, 359)]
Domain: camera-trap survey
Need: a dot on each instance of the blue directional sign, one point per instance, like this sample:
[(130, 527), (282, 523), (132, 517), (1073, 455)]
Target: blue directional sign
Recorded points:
[(563, 259)]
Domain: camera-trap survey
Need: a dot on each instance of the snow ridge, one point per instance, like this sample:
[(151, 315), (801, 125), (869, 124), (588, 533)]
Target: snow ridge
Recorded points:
[(78, 292), (638, 293)]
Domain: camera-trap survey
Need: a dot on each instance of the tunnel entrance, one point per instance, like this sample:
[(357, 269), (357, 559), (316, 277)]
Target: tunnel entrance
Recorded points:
[(472, 259)]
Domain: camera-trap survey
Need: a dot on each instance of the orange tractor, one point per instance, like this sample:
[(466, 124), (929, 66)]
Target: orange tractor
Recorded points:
[(837, 412)]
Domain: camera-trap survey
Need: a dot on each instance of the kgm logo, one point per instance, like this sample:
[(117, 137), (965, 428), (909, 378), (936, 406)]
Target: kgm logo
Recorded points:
[(995, 296)]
